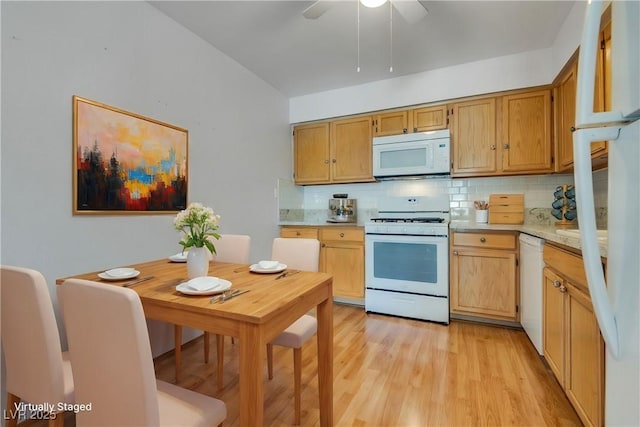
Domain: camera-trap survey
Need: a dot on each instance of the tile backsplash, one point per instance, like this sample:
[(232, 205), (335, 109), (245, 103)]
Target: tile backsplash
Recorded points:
[(538, 195)]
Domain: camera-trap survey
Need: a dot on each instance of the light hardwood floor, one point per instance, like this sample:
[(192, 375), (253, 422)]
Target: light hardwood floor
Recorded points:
[(399, 372)]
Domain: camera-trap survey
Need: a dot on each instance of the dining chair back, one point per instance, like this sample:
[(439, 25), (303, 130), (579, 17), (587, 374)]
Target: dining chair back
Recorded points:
[(232, 248), (300, 254), (113, 366), (229, 248), (37, 371)]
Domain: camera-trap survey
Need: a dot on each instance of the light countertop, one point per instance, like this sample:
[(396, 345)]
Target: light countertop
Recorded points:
[(546, 232)]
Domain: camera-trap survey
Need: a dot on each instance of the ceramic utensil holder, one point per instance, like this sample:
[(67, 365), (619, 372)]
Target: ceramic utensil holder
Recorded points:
[(482, 216)]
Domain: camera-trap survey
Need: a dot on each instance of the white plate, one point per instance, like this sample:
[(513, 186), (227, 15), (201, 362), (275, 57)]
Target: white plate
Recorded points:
[(179, 257), (131, 275), (223, 286), (120, 272), (255, 268)]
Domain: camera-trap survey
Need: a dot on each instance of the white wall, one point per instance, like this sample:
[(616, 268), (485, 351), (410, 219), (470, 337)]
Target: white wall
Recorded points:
[(131, 56), (520, 70)]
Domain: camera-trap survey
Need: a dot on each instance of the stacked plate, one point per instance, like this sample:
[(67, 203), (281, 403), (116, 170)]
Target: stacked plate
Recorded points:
[(179, 257), (119, 274), (268, 267), (205, 285)]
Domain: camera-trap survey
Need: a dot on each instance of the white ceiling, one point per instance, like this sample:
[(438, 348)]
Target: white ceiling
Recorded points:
[(299, 56)]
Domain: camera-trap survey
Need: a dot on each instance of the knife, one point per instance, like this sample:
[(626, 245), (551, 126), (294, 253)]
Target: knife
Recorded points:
[(233, 295), (287, 274)]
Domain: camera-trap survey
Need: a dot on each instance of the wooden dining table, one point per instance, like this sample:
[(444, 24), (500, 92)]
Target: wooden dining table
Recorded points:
[(255, 317)]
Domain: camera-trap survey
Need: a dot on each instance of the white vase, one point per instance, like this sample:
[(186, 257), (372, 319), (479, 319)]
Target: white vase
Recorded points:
[(197, 262)]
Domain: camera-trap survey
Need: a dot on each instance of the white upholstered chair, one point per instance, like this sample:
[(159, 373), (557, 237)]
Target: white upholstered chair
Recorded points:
[(37, 370), (299, 254), (229, 248), (113, 367)]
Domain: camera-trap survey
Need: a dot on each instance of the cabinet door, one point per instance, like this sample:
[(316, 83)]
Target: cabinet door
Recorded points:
[(526, 132), (484, 282), (473, 137), (394, 123), (553, 323), (345, 261), (352, 150), (584, 358), (565, 106), (429, 118), (311, 153)]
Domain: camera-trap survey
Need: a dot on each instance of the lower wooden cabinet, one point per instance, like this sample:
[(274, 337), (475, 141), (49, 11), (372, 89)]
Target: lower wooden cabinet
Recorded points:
[(341, 255), (573, 347), (484, 275)]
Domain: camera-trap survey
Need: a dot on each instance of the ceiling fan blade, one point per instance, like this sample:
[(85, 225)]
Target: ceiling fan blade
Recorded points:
[(412, 11), (317, 9)]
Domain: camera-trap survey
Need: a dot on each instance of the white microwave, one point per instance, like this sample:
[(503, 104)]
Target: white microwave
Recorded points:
[(412, 154)]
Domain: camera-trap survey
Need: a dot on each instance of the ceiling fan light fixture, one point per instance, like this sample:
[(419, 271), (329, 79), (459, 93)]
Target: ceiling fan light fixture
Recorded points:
[(373, 3)]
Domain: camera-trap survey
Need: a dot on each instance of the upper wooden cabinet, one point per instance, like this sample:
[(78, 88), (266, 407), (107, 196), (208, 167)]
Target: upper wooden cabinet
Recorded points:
[(311, 153), (526, 132), (473, 137), (393, 123), (333, 152), (429, 118), (564, 115), (565, 100), (421, 119)]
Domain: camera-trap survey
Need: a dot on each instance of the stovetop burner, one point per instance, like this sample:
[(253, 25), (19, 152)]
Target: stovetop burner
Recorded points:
[(410, 220)]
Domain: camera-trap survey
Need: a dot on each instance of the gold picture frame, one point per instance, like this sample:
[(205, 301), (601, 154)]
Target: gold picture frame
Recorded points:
[(125, 163)]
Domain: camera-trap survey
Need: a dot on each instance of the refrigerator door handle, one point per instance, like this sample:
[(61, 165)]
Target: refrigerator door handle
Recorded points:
[(602, 307)]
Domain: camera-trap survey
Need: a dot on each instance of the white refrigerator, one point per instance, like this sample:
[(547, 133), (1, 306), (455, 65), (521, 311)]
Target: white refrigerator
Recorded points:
[(616, 300)]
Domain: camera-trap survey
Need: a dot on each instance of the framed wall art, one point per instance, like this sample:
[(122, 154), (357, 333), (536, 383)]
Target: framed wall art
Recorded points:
[(124, 163)]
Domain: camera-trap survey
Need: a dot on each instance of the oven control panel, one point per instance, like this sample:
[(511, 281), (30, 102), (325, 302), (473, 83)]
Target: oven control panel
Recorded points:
[(405, 228)]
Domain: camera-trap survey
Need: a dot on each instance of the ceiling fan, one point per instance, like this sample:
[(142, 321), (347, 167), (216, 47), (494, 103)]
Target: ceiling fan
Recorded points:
[(411, 10)]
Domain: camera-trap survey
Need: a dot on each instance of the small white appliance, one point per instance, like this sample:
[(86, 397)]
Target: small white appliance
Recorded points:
[(407, 258), (616, 304), (531, 265), (412, 154)]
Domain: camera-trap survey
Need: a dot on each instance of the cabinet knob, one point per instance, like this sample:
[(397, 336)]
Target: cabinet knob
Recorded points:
[(505, 146), (297, 233), (563, 288), (492, 147), (333, 160), (415, 129), (556, 283), (341, 234), (455, 253), (404, 130), (324, 245), (483, 239), (326, 162)]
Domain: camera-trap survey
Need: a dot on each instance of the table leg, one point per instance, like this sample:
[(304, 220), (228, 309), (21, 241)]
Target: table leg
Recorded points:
[(325, 361), (252, 354), (177, 335)]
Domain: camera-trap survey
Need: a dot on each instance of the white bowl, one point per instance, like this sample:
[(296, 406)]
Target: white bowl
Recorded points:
[(268, 265)]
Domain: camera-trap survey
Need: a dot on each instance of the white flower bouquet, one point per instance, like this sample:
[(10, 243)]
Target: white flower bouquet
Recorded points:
[(198, 223)]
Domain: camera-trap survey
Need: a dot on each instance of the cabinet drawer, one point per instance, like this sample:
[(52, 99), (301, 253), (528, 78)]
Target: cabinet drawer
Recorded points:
[(350, 234), (568, 264), (485, 240), (301, 232)]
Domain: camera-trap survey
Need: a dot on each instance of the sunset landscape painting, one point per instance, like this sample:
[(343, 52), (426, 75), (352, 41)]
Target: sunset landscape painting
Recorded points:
[(126, 163)]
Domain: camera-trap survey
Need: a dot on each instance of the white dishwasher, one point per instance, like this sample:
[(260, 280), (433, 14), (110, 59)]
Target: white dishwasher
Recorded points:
[(531, 282)]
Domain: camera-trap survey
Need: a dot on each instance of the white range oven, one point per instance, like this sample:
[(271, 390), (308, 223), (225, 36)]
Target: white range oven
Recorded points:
[(407, 258)]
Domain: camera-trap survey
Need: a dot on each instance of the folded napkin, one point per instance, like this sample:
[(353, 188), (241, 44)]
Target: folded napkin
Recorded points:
[(268, 265), (204, 283), (119, 272)]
